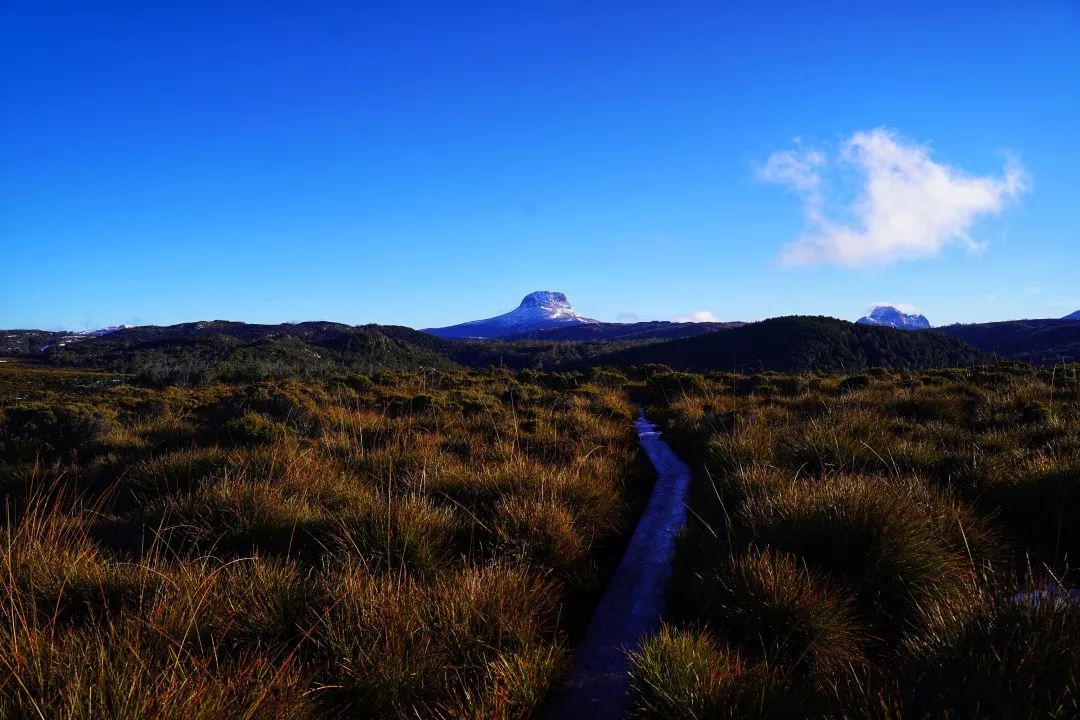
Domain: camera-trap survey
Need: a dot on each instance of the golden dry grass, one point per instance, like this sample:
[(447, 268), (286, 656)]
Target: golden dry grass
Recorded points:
[(404, 545)]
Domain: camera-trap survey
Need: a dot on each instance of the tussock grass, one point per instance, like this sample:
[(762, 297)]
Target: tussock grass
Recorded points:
[(777, 610), (688, 674), (899, 544), (399, 546), (411, 645), (993, 656), (867, 544), (123, 671)]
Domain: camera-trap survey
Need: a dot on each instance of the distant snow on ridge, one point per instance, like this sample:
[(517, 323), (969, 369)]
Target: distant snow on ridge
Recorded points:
[(890, 316), (77, 335), (102, 331)]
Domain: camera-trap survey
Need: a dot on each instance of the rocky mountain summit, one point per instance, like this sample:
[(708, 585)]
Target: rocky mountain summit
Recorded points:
[(538, 310), (888, 316)]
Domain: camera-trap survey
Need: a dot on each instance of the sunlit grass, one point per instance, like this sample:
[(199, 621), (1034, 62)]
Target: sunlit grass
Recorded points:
[(862, 543), (397, 546)]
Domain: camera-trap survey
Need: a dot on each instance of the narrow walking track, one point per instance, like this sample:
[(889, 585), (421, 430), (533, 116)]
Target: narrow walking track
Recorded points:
[(596, 688)]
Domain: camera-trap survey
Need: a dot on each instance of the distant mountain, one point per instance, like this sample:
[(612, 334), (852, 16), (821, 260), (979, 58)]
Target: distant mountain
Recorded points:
[(797, 344), (538, 310), (1073, 316), (1039, 342), (888, 316)]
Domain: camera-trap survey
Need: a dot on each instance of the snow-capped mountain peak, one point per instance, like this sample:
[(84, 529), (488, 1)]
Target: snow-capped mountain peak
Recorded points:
[(537, 310), (888, 316), (548, 304)]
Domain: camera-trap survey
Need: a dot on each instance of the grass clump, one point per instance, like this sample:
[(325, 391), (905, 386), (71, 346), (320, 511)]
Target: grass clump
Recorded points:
[(997, 656), (778, 611), (688, 674)]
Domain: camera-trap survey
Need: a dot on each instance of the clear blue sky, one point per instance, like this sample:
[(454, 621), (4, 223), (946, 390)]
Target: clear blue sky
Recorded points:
[(427, 164)]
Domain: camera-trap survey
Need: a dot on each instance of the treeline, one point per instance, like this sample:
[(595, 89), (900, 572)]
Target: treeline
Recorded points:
[(799, 344), (201, 360), (240, 355), (201, 353)]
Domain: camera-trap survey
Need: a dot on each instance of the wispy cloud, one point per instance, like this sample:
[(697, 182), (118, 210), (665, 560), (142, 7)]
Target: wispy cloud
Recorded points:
[(907, 205), (699, 316), (797, 168)]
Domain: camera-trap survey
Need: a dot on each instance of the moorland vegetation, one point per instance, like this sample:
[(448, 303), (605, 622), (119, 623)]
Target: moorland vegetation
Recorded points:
[(877, 545), (421, 544)]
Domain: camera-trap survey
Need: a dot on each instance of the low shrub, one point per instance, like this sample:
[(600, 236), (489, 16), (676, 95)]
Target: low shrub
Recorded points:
[(52, 431), (254, 428)]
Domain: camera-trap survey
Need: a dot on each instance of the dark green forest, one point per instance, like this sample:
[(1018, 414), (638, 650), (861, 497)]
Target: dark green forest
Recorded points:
[(195, 354)]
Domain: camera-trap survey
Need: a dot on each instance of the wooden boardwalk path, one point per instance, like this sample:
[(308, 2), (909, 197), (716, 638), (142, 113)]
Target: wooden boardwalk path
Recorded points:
[(597, 685)]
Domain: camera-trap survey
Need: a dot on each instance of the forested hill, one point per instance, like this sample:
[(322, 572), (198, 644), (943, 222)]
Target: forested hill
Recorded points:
[(213, 351), (199, 353), (652, 330), (1039, 342), (798, 343), (205, 352)]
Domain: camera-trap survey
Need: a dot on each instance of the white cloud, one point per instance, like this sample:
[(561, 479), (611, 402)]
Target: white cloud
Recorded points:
[(906, 308), (699, 316), (907, 206)]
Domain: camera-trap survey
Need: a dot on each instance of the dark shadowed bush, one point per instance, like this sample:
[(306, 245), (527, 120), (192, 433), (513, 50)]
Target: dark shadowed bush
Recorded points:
[(52, 431)]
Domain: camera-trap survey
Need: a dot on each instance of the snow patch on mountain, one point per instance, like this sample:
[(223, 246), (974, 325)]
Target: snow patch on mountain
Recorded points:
[(101, 331), (889, 316), (538, 310), (77, 335)]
